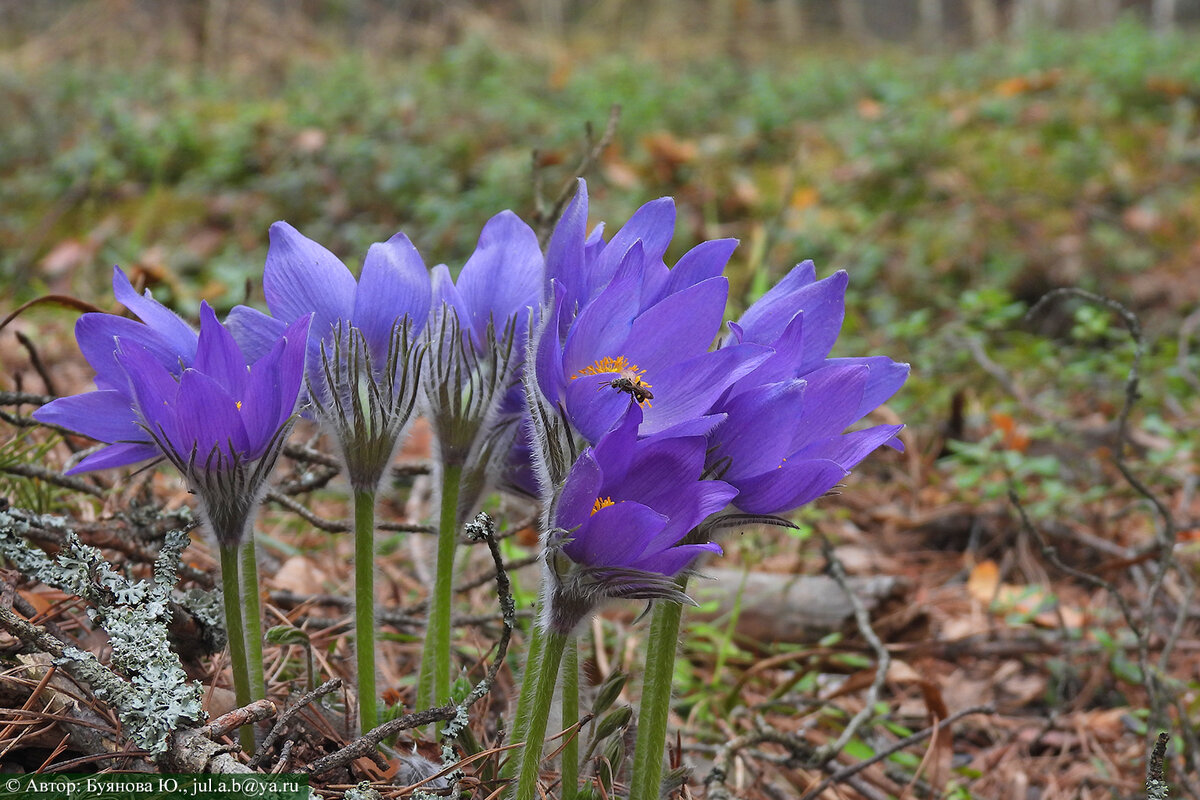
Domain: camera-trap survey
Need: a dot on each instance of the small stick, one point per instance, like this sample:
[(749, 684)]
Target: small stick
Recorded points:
[(286, 716), (239, 717), (367, 743)]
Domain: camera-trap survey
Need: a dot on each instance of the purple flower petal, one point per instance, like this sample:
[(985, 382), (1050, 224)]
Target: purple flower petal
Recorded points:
[(823, 305), (782, 365), (115, 455), (208, 419), (682, 325), (674, 560), (594, 406), (615, 535), (564, 253), (653, 225), (651, 476), (106, 416), (580, 492), (617, 447), (255, 332), (687, 507), (394, 283), (790, 486), (752, 439), (850, 448), (302, 277), (270, 394), (884, 380), (690, 388), (97, 335), (696, 426), (504, 274), (176, 334), (218, 355), (548, 360), (831, 402), (152, 387), (704, 261), (603, 326), (446, 295)]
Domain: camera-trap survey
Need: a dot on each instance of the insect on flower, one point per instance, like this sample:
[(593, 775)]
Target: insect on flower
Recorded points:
[(630, 382)]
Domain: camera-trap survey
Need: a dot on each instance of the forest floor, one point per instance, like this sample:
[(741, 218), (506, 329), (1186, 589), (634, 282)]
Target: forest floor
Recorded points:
[(1027, 565)]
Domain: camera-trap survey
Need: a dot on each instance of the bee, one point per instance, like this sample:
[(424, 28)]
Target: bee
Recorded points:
[(631, 383)]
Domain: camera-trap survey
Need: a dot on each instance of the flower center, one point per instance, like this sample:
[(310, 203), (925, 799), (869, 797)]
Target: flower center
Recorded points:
[(602, 502), (628, 380), (603, 366)]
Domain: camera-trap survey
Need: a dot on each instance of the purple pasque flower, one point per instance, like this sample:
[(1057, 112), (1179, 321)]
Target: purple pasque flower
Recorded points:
[(222, 421), (302, 277), (784, 442), (362, 360), (617, 523), (621, 324), (477, 337), (614, 350), (584, 263), (107, 414)]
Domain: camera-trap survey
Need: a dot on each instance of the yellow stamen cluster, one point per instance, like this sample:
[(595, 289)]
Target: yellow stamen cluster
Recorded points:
[(603, 366), (602, 502)]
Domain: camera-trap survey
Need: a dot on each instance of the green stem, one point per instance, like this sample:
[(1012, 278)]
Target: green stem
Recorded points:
[(543, 699), (433, 685), (533, 658), (662, 641), (570, 716), (364, 608), (252, 603), (232, 602)]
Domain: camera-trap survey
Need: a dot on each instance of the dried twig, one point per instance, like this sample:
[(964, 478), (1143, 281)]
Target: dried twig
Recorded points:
[(367, 743), (55, 477), (24, 399), (286, 717), (543, 218), (338, 526), (1156, 784), (1166, 536), (895, 747), (239, 717), (883, 659), (36, 361)]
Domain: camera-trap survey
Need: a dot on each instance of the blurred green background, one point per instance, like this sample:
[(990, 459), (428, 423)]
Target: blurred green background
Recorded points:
[(958, 158)]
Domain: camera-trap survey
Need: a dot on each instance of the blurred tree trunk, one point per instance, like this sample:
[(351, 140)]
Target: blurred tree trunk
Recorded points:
[(791, 20), (216, 37), (853, 18), (985, 20), (1162, 14), (931, 22)]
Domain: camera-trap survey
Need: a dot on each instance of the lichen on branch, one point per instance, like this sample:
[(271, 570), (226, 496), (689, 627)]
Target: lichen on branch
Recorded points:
[(149, 690)]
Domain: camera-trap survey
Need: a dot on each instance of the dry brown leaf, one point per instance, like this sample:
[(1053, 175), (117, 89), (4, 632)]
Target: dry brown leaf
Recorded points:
[(300, 575), (984, 581)]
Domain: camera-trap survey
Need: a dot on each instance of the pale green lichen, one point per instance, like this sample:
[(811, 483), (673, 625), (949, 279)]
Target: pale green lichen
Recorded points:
[(157, 697)]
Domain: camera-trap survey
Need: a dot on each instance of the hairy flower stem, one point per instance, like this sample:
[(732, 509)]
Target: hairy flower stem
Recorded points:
[(662, 642), (543, 698), (237, 636), (252, 604), (364, 608), (533, 657), (570, 716), (433, 684)]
